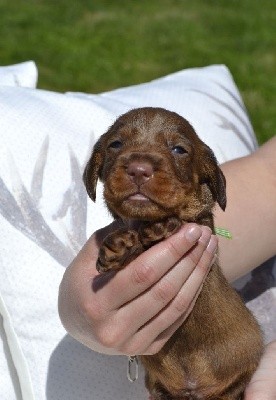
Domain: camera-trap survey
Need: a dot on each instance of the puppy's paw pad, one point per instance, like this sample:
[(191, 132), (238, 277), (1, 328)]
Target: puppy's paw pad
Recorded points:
[(153, 232), (173, 224), (118, 249)]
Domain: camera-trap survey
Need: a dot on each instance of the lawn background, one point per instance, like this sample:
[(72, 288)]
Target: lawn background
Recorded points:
[(94, 46)]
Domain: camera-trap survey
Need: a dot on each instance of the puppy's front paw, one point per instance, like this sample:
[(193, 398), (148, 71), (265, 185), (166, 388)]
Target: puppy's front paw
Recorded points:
[(118, 249), (153, 232)]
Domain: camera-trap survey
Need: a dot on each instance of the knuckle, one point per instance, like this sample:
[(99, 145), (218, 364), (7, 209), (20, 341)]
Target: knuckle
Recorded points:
[(92, 311), (109, 337), (196, 254), (164, 291), (202, 267), (143, 274), (154, 348), (181, 305), (194, 258), (205, 263), (132, 349), (201, 260), (175, 252), (136, 345)]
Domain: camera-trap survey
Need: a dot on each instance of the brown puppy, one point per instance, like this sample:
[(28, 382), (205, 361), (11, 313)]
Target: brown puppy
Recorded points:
[(156, 170)]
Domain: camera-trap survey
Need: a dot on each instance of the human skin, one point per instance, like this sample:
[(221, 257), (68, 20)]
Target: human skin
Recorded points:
[(136, 310), (250, 213), (263, 383), (251, 218)]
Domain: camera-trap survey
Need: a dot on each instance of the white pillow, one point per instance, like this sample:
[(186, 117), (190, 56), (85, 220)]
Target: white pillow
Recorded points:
[(23, 74), (207, 97), (45, 140)]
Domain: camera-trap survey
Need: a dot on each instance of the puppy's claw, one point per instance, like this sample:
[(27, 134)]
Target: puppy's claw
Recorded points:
[(100, 267)]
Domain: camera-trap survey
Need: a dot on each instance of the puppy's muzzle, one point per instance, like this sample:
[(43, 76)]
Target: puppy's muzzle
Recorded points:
[(139, 171)]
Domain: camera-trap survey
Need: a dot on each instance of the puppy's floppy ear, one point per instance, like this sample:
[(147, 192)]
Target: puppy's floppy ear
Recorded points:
[(213, 176), (92, 171)]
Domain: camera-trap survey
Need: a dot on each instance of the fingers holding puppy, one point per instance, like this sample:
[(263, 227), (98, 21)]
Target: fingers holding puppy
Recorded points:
[(147, 270), (139, 307), (161, 309)]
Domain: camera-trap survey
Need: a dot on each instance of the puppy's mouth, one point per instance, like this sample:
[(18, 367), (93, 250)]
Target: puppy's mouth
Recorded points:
[(138, 204), (138, 197)]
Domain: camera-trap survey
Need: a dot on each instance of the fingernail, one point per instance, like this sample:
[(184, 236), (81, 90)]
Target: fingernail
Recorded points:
[(193, 233), (206, 235), (213, 243)]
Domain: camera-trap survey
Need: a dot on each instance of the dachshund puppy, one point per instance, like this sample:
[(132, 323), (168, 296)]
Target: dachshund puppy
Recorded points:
[(156, 170)]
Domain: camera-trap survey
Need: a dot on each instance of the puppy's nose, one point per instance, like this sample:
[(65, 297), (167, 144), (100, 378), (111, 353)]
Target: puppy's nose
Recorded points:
[(140, 171)]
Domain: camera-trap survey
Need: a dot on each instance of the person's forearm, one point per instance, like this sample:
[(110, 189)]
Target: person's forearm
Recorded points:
[(250, 213)]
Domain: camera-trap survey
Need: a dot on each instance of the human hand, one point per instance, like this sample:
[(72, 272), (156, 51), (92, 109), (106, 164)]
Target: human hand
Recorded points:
[(137, 309), (263, 383)]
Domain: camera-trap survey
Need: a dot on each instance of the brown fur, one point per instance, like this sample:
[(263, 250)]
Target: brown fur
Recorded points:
[(155, 153)]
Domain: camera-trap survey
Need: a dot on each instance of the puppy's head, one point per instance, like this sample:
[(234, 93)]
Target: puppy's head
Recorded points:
[(153, 165)]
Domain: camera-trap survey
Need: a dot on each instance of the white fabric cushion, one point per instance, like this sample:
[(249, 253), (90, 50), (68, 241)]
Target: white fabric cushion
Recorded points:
[(23, 74), (207, 97), (45, 140)]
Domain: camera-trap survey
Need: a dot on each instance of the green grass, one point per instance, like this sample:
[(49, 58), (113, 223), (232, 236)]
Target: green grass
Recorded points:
[(98, 45)]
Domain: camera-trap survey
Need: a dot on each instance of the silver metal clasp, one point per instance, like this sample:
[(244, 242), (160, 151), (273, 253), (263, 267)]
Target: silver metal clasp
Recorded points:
[(132, 368)]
